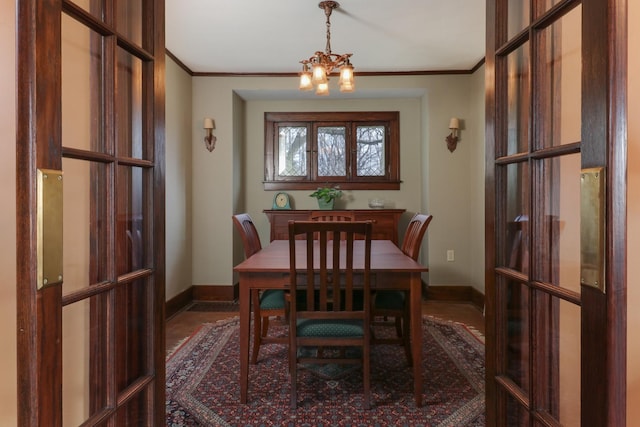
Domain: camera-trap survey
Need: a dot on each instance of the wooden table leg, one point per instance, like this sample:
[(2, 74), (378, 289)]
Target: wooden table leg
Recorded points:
[(416, 335), (245, 302)]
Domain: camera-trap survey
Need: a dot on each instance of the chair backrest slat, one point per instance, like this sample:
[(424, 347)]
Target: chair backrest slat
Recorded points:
[(329, 215), (328, 277), (414, 234), (247, 229)]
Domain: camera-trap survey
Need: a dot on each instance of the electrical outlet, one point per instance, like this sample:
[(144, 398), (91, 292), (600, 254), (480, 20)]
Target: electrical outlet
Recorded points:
[(450, 255)]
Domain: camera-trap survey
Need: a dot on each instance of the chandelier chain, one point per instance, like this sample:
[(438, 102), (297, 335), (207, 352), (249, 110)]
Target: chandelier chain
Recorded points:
[(327, 12)]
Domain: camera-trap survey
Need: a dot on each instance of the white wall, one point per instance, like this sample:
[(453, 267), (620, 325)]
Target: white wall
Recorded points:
[(476, 170), (447, 185), (178, 179)]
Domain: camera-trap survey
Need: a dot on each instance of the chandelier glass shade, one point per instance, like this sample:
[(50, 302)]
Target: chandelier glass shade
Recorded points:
[(316, 69)]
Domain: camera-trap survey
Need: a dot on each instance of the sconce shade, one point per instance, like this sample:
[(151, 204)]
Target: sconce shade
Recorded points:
[(452, 139), (209, 123)]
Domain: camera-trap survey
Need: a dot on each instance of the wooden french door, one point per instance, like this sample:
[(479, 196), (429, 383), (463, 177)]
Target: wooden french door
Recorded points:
[(90, 155), (556, 218)]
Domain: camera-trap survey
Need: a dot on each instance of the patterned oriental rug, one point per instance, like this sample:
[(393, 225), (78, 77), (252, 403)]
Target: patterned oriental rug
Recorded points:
[(203, 388)]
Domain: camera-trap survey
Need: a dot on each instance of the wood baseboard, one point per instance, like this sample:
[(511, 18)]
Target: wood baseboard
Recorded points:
[(200, 293), (230, 293), (215, 293), (456, 293), (178, 302)]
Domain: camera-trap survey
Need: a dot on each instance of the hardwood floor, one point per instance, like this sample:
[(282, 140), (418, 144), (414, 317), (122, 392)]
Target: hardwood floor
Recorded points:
[(184, 323)]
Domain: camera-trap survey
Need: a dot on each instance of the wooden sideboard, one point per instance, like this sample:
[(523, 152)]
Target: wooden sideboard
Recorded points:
[(385, 221)]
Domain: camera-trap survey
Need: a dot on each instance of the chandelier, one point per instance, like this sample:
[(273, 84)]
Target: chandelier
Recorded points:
[(316, 69)]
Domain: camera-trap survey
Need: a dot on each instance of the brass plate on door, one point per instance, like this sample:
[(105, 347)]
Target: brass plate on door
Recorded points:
[(49, 228), (592, 227)]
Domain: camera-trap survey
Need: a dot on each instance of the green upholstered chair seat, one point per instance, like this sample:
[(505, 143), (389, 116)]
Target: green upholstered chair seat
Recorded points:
[(389, 300), (272, 299), (329, 328)]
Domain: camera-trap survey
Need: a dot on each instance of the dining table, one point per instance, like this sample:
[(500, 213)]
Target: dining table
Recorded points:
[(391, 269)]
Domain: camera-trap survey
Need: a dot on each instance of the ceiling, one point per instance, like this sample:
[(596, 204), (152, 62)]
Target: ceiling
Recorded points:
[(260, 36)]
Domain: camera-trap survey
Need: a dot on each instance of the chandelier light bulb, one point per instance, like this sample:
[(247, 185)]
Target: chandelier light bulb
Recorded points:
[(346, 78), (319, 74), (322, 89), (305, 79)]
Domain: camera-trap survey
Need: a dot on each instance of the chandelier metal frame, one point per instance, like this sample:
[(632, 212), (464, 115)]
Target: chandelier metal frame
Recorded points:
[(316, 69)]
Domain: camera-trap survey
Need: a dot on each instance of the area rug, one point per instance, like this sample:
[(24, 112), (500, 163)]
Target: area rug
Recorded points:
[(203, 387)]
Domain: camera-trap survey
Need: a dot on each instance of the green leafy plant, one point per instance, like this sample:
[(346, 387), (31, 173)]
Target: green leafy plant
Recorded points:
[(327, 194)]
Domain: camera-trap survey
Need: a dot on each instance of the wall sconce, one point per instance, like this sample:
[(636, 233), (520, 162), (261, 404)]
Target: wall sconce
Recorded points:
[(210, 138), (452, 139)]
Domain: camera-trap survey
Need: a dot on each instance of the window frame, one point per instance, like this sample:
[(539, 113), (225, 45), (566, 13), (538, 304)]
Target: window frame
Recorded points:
[(390, 120)]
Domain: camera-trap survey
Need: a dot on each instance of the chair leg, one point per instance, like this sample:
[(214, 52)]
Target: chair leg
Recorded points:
[(398, 322), (265, 326), (366, 361), (406, 335), (257, 320), (293, 374)]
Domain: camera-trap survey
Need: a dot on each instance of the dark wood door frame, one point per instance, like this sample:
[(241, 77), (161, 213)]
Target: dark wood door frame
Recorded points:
[(39, 146), (604, 132), (39, 328), (603, 143)]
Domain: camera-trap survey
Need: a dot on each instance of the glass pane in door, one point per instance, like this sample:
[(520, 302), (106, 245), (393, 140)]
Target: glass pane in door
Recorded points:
[(129, 22), (82, 87), (518, 351), (75, 369), (79, 367), (518, 18), (559, 239), (133, 412), (131, 217), (129, 99), (560, 114), (547, 4), (94, 7), (568, 414), (515, 248), (517, 414), (84, 226), (133, 350), (518, 104)]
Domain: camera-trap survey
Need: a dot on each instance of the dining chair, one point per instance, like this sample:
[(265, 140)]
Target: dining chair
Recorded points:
[(325, 270), (394, 304), (330, 215), (267, 303)]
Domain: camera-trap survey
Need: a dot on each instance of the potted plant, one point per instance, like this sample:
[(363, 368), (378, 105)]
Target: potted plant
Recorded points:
[(326, 196)]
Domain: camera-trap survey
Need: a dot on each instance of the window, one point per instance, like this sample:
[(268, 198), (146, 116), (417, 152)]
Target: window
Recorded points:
[(350, 149)]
